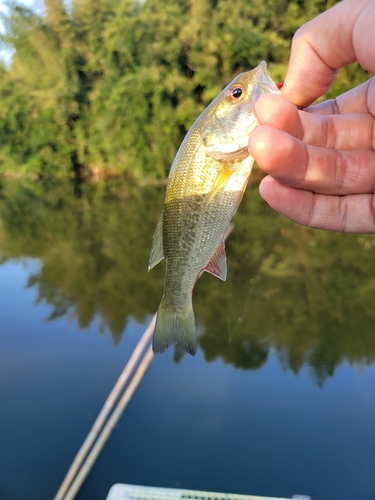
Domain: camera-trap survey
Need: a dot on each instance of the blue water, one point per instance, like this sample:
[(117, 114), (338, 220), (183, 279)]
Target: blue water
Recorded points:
[(191, 425)]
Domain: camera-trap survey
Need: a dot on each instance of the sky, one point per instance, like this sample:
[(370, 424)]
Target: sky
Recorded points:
[(38, 3), (5, 54)]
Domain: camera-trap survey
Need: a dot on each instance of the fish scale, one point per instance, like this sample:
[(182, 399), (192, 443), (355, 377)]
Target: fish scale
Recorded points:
[(205, 187)]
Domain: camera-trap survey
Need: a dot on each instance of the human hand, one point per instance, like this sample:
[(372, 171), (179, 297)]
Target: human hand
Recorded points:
[(321, 161)]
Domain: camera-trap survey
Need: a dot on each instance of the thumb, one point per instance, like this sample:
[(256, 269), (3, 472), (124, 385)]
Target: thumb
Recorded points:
[(323, 46)]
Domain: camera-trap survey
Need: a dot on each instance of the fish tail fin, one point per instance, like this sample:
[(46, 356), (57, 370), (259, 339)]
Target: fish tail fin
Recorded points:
[(175, 327)]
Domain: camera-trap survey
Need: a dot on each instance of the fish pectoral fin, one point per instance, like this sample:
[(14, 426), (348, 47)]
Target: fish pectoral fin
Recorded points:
[(221, 180), (157, 251), (218, 264)]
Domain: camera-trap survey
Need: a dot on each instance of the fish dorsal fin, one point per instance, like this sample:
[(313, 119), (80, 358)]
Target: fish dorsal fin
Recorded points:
[(218, 264), (157, 252), (221, 180)]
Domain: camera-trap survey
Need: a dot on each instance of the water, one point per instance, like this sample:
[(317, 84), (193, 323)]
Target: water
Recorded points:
[(280, 398)]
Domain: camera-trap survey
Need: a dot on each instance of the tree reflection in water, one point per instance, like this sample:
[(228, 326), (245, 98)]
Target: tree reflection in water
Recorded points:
[(307, 294)]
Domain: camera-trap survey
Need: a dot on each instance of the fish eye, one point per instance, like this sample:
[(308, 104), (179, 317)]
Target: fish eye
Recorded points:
[(235, 92)]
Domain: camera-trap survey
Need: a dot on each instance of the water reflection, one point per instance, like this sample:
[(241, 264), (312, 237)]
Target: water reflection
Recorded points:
[(93, 245), (308, 294)]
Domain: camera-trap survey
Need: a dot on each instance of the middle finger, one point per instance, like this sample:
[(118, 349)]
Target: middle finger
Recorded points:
[(352, 131), (314, 168)]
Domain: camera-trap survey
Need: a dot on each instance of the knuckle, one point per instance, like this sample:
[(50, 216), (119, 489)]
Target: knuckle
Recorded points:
[(340, 171), (342, 213), (310, 212)]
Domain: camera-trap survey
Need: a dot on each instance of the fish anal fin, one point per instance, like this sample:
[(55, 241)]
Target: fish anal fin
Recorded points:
[(221, 180), (218, 264), (157, 251)]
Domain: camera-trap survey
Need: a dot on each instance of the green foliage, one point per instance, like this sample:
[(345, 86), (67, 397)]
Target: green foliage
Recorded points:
[(112, 86)]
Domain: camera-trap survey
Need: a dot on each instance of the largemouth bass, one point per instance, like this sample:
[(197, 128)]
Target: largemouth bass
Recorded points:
[(205, 185)]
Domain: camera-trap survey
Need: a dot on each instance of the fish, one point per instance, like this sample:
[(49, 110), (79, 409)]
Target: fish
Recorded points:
[(205, 186)]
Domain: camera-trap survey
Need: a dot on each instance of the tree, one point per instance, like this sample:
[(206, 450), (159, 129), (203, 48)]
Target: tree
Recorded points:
[(112, 86)]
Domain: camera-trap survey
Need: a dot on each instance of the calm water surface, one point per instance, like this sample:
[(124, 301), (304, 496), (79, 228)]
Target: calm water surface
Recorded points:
[(280, 398)]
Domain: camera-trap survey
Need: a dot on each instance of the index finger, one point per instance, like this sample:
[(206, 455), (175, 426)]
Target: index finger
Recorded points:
[(329, 42)]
